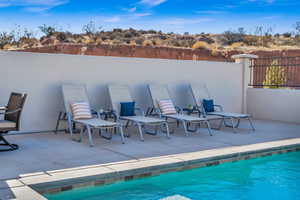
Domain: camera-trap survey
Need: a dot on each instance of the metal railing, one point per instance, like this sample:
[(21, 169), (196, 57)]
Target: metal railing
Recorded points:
[(275, 72)]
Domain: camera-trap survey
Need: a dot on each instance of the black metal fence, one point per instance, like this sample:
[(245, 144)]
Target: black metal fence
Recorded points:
[(275, 72)]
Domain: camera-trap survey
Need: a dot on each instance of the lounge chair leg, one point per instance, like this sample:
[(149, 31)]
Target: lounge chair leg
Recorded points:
[(90, 135), (208, 127), (141, 132), (127, 124), (58, 122), (81, 133), (122, 134), (221, 123), (168, 131), (6, 143), (238, 123), (232, 123), (70, 126), (251, 123), (185, 128)]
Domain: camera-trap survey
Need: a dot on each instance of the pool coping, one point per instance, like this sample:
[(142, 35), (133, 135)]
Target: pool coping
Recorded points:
[(33, 185)]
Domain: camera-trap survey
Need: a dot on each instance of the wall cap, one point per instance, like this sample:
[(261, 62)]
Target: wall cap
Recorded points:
[(241, 56)]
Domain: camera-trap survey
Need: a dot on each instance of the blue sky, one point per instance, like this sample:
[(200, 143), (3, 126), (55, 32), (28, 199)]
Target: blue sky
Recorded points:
[(179, 16)]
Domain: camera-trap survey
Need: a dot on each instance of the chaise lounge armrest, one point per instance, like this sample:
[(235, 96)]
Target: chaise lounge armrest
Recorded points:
[(2, 108), (10, 112), (140, 110), (220, 107)]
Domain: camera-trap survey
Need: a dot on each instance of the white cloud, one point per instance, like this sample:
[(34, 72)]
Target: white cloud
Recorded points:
[(33, 5), (113, 19), (36, 9), (152, 2), (183, 21), (131, 10), (266, 1), (142, 14), (210, 12)]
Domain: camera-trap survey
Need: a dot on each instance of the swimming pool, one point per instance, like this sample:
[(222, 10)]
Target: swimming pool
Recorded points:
[(271, 177)]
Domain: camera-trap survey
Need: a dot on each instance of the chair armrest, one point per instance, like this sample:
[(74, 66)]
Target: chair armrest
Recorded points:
[(141, 110), (178, 109), (95, 112), (2, 108), (220, 107), (13, 111), (114, 114)]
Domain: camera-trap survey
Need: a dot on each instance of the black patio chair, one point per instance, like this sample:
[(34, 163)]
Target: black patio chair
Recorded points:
[(11, 122)]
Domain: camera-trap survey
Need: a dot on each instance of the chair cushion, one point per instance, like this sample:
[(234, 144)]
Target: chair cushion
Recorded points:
[(167, 107), (145, 120), (127, 109), (96, 122), (7, 124), (81, 110), (208, 105)]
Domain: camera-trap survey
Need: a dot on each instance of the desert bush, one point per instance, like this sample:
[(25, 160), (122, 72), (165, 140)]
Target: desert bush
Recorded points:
[(151, 31), (62, 36), (128, 34), (214, 52), (206, 39), (139, 41), (277, 35), (201, 45), (236, 45), (6, 38), (132, 43), (147, 43), (287, 35), (91, 29), (251, 40), (47, 30), (297, 28), (230, 37), (162, 37), (118, 30), (157, 42)]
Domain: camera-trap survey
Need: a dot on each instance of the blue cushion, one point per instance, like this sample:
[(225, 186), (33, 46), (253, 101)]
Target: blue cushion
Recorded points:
[(208, 105), (127, 109)]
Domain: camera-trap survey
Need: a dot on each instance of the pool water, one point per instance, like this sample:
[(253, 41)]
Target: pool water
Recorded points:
[(273, 177)]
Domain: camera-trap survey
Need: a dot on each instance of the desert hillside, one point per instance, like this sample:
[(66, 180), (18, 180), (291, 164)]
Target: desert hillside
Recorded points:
[(220, 46)]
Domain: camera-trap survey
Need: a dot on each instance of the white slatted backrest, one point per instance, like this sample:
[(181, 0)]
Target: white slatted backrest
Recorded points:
[(118, 94), (158, 92), (74, 93), (199, 92)]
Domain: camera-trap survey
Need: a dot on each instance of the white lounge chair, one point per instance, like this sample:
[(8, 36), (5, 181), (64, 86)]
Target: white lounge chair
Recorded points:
[(121, 93), (78, 93), (201, 92), (160, 92)]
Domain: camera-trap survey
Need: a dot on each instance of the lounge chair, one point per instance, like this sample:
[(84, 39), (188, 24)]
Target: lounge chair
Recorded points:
[(159, 93), (11, 122), (201, 92), (78, 93), (121, 94)]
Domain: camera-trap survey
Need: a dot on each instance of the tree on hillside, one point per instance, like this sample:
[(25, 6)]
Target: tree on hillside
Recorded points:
[(47, 30), (275, 76)]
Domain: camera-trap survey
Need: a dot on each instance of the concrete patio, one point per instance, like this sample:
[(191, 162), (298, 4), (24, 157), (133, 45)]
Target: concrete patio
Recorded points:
[(47, 151)]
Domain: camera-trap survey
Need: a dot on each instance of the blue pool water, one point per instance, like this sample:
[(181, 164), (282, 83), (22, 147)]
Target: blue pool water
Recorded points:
[(273, 177)]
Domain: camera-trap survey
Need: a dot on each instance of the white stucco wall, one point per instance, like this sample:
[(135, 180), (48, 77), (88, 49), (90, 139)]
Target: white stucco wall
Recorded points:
[(40, 75), (274, 104)]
